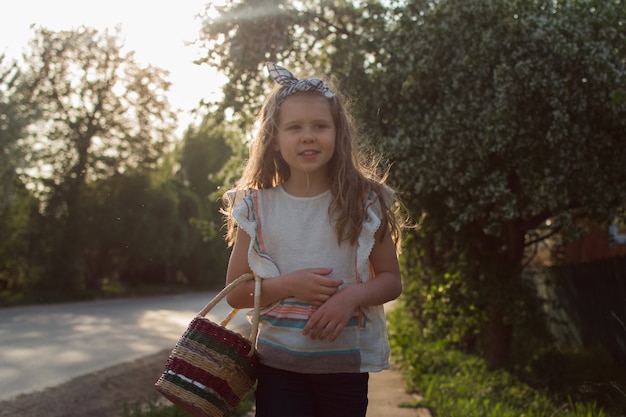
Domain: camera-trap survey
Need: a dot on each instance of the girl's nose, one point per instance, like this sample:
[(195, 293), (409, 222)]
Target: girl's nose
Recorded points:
[(308, 135)]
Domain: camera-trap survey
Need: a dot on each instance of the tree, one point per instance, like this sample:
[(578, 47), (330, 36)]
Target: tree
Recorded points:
[(20, 222), (19, 215), (103, 114), (341, 38), (505, 120), (137, 229), (16, 112), (210, 157), (204, 153)]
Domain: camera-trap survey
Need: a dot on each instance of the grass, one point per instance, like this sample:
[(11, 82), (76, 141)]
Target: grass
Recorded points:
[(108, 291), (455, 384), (160, 409), (153, 410)]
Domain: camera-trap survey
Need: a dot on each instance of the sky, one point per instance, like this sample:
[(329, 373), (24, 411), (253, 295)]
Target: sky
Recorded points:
[(156, 30)]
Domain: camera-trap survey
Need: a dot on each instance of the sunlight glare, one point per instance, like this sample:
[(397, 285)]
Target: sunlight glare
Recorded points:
[(160, 34)]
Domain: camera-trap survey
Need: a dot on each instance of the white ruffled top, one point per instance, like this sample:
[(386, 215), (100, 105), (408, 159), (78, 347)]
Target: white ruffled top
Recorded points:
[(290, 233)]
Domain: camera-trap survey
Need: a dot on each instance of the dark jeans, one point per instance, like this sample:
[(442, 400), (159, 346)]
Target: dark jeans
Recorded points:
[(289, 394)]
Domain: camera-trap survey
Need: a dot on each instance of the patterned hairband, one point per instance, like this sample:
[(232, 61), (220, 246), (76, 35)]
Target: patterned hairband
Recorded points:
[(283, 77)]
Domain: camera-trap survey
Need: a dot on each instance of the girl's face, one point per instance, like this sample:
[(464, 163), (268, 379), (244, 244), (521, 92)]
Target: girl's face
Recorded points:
[(306, 135)]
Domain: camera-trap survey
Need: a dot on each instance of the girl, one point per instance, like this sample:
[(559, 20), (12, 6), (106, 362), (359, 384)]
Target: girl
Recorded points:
[(319, 228)]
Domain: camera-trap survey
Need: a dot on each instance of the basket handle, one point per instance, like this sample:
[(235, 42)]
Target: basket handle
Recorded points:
[(257, 304)]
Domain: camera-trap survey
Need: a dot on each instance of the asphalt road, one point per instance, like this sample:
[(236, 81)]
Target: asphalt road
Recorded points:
[(43, 346)]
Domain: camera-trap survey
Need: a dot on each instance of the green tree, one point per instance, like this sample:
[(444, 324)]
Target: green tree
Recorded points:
[(208, 161), (20, 259), (137, 229), (342, 38), (505, 120), (205, 151), (19, 216), (16, 112), (103, 114)]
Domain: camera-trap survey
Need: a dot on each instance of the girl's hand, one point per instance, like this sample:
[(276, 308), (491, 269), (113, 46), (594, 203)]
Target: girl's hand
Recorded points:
[(312, 286), (331, 318)]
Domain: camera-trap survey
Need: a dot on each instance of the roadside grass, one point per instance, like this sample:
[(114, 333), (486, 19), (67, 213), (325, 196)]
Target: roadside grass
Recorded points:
[(453, 383), (162, 409), (110, 290), (153, 409)]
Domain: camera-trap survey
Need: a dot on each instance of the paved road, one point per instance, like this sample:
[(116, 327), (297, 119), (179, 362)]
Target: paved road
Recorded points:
[(42, 346)]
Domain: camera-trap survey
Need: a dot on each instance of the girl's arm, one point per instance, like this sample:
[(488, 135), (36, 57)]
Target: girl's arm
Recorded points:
[(331, 318), (309, 285)]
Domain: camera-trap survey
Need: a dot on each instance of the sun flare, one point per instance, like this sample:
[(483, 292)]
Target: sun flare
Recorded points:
[(160, 34)]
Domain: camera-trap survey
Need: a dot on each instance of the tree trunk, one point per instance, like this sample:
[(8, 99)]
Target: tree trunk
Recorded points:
[(499, 338), (499, 330)]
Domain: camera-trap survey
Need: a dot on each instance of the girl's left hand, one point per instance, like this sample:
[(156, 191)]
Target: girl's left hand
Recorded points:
[(329, 320)]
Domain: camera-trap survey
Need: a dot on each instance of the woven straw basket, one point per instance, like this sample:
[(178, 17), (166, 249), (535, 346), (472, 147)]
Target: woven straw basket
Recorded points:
[(211, 368)]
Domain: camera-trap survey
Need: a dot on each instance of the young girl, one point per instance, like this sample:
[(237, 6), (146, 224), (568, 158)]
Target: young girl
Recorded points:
[(319, 227)]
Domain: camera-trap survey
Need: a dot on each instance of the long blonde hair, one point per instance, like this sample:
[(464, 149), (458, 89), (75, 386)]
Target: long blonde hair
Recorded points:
[(350, 173)]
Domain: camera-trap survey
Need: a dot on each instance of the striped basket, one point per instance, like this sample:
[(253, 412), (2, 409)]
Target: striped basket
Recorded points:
[(211, 368)]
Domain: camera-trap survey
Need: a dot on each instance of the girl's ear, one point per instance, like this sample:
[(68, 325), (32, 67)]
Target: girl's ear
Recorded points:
[(275, 146)]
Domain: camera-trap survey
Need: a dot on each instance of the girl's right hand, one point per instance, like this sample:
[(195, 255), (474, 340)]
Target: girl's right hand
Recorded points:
[(312, 285)]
